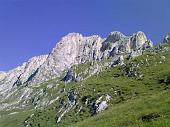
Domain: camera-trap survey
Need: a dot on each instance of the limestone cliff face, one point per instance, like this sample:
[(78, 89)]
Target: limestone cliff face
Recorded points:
[(117, 44), (72, 49), (21, 74), (167, 38)]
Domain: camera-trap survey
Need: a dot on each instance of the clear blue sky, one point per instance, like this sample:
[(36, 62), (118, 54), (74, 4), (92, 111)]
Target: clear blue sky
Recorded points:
[(32, 27)]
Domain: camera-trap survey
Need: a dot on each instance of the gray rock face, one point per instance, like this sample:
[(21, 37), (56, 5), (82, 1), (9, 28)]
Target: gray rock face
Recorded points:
[(100, 104), (138, 40), (115, 36), (118, 60), (73, 49), (122, 44), (167, 38), (72, 97), (70, 76), (21, 74), (2, 75)]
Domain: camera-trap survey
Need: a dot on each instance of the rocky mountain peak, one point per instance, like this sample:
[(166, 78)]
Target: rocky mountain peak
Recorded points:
[(71, 37), (115, 36), (138, 40), (140, 36), (167, 38), (72, 49)]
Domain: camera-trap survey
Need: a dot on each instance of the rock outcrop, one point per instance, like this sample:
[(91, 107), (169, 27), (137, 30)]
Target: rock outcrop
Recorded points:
[(70, 76), (72, 49), (167, 39), (21, 74)]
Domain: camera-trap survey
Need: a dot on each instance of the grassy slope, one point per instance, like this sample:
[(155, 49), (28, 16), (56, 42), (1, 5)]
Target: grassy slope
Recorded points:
[(14, 120), (129, 114), (153, 97), (139, 98)]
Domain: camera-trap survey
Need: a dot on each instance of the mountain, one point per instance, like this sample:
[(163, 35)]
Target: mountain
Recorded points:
[(82, 77), (73, 49)]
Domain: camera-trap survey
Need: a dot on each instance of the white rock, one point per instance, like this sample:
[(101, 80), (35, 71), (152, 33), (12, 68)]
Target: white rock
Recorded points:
[(163, 58), (108, 97), (13, 113), (52, 101), (102, 106)]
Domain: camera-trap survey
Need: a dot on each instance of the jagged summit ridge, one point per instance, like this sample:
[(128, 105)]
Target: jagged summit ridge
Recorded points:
[(72, 49), (115, 36), (75, 49)]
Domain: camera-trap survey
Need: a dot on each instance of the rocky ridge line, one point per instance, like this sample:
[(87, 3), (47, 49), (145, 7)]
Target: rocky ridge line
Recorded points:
[(73, 49)]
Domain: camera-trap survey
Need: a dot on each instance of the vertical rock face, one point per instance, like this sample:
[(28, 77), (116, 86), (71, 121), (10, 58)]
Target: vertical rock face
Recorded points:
[(117, 44), (21, 74), (138, 40), (2, 75), (70, 76), (167, 38), (115, 36), (71, 50)]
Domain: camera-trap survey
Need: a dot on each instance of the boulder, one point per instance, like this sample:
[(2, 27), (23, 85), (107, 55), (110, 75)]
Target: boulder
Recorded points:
[(70, 76), (102, 106), (72, 97)]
